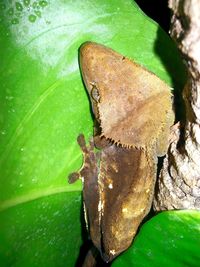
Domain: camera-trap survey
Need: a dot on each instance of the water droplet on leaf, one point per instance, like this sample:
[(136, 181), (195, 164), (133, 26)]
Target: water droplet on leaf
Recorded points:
[(10, 11), (19, 6), (43, 3), (32, 18), (15, 21), (26, 2), (2, 6), (38, 13), (35, 5)]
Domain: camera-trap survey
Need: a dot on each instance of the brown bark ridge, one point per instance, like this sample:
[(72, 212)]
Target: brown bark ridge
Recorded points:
[(179, 181)]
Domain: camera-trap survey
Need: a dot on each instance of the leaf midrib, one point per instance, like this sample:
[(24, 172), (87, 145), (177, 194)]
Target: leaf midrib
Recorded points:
[(34, 195)]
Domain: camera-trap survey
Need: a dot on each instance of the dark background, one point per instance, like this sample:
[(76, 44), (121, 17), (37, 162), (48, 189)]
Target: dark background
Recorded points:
[(157, 10)]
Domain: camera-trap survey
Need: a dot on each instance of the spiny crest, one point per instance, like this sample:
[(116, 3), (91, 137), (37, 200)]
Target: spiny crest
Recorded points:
[(119, 144)]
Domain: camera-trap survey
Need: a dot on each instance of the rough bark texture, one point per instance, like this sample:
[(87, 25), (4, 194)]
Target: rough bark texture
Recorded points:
[(179, 182)]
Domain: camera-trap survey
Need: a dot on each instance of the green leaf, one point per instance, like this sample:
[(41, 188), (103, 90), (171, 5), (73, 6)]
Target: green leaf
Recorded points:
[(169, 239), (44, 107), (45, 231)]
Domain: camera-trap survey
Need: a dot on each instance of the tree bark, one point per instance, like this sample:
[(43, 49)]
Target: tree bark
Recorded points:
[(179, 182)]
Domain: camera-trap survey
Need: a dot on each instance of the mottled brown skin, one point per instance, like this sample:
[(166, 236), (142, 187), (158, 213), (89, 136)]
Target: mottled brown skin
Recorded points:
[(117, 192), (133, 105), (133, 117), (127, 179)]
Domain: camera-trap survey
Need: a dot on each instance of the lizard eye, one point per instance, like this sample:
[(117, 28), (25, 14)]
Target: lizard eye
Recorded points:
[(95, 94)]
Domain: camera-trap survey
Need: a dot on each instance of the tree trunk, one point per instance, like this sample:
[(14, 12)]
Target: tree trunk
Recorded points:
[(179, 182)]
